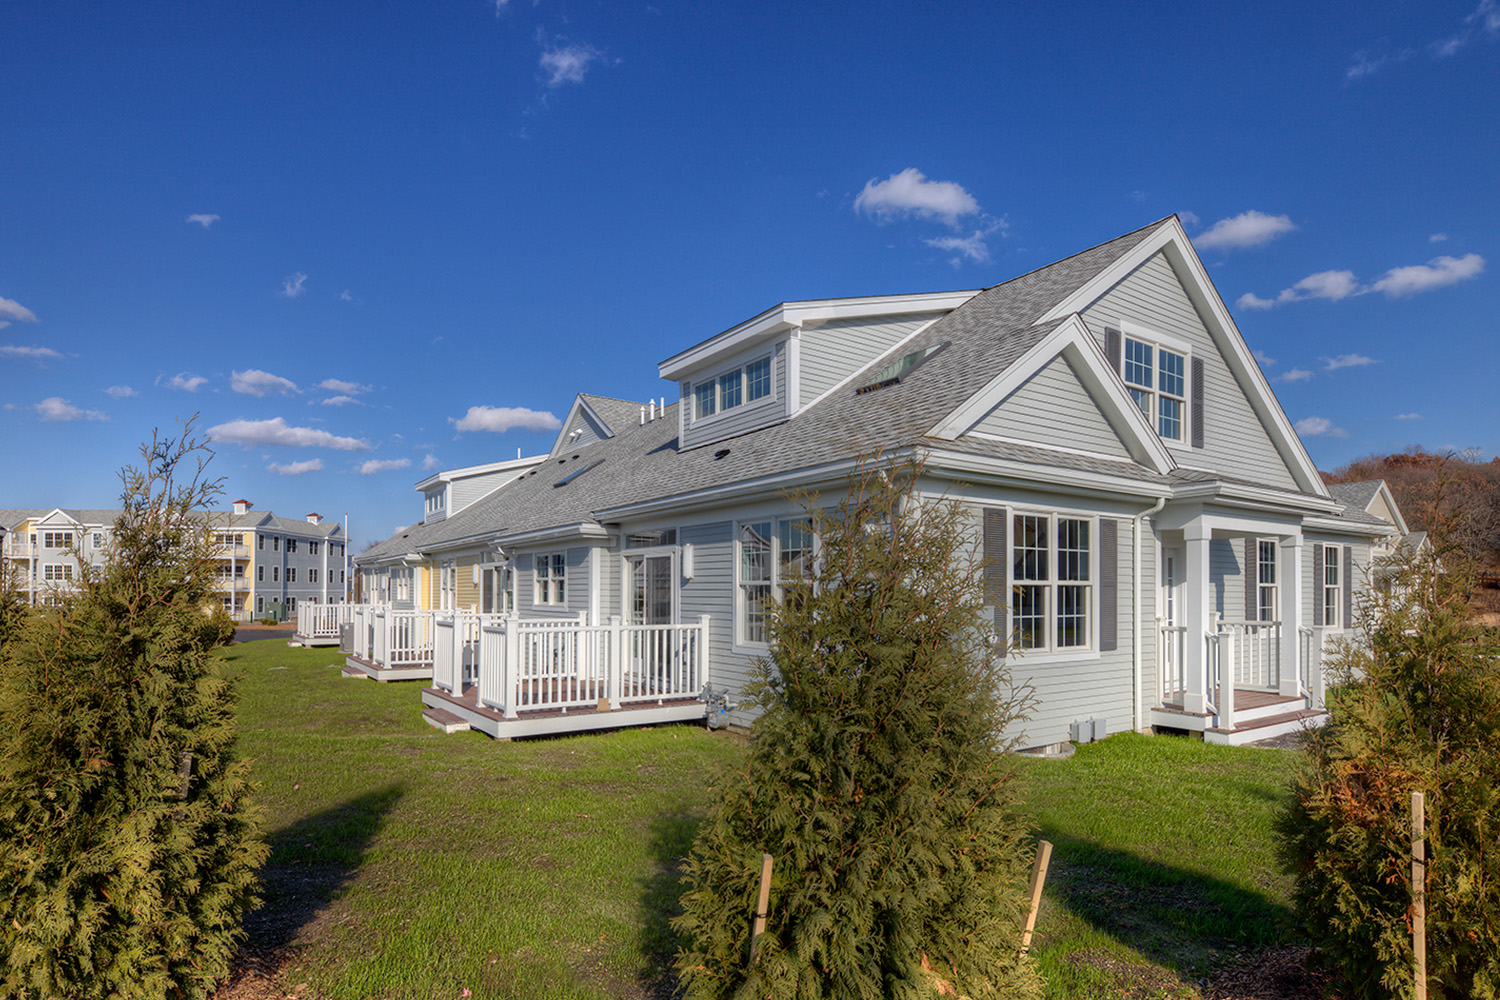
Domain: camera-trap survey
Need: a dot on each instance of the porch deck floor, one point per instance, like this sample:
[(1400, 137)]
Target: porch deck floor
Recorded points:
[(1245, 699), (469, 700)]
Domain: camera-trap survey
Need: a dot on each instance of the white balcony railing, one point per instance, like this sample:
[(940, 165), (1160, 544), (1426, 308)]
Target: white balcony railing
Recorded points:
[(324, 621)]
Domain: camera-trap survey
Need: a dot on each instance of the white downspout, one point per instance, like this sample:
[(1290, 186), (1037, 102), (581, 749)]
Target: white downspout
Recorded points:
[(1135, 617)]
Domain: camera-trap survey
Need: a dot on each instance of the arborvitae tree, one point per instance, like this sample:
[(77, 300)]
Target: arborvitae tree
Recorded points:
[(1416, 708), (878, 777), (128, 848)]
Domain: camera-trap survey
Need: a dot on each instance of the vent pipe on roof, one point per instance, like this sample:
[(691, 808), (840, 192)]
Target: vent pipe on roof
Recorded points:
[(653, 408), (643, 416)]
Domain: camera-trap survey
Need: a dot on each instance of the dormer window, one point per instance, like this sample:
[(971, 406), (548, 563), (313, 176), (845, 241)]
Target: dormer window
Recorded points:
[(1156, 376), (733, 388)]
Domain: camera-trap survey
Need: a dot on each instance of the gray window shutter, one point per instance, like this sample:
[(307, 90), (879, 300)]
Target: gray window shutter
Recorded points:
[(1317, 587), (996, 560), (1348, 586), (1252, 580), (1112, 347), (1109, 584), (1197, 404)]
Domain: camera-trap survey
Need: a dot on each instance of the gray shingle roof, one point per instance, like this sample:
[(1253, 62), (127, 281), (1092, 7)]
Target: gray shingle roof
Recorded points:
[(1356, 494)]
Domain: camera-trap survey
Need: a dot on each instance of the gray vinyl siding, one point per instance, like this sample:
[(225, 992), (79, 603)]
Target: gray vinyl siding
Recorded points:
[(1235, 443), (576, 596), (742, 418), (609, 574), (592, 432), (1094, 684), (832, 352), (465, 491), (711, 592), (1053, 407), (1311, 589), (1226, 577)]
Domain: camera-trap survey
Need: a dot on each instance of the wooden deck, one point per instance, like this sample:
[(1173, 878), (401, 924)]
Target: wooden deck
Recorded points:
[(542, 722), (400, 672)]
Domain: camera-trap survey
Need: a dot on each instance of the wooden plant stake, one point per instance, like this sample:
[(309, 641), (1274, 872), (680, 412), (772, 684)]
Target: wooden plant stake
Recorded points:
[(1419, 890), (763, 901), (1038, 876)]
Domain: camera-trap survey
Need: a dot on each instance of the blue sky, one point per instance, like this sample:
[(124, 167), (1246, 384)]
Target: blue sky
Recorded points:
[(364, 241)]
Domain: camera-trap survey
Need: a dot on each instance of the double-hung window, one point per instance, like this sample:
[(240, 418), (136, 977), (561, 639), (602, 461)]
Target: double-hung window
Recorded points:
[(57, 572), (774, 555), (1332, 587), (1157, 378), (1265, 576), (291, 574), (1052, 569), (736, 387), (551, 579), (57, 539)]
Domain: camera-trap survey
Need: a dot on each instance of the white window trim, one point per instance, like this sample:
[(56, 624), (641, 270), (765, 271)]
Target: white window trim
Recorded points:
[(744, 406), (1335, 589), (1158, 340), (1051, 652), (542, 599), (778, 589)]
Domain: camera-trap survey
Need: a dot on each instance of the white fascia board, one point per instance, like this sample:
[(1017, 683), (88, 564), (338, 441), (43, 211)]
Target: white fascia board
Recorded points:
[(1071, 340), (788, 315), (1172, 239), (978, 468), (585, 532), (450, 475), (1342, 527), (1259, 496), (579, 406)]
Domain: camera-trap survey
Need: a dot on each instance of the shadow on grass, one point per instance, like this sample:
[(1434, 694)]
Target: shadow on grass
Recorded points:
[(1179, 919), (671, 840), (311, 862)]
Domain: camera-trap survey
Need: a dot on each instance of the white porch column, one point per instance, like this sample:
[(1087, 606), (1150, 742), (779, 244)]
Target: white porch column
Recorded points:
[(1196, 618), (1292, 669)]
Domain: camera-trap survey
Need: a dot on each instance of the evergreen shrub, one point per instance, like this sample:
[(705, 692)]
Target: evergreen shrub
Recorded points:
[(113, 882), (877, 777), (1417, 708)]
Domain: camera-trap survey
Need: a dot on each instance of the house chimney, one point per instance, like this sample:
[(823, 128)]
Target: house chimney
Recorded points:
[(315, 519), (242, 506)]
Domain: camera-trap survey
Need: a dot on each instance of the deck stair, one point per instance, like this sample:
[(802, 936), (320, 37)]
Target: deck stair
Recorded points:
[(355, 673), (439, 718), (1258, 715)]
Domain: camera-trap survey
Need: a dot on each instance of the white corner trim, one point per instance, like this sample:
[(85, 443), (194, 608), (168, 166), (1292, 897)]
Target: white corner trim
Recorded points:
[(1073, 342)]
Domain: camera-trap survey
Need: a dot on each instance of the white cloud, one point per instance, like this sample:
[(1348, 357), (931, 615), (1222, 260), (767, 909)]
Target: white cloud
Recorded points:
[(1485, 18), (1400, 282), (500, 419), (346, 296), (185, 381), (1346, 361), (1408, 416), (1248, 229), (1365, 64), (120, 392), (568, 64), (203, 219), (911, 193), (1319, 426), (1189, 219), (375, 465), (339, 401), (275, 431), (291, 285), (1438, 238), (501, 6), (296, 468), (972, 247), (1294, 375), (345, 388), (1265, 359), (57, 408), (11, 310), (254, 382), (429, 463), (33, 352)]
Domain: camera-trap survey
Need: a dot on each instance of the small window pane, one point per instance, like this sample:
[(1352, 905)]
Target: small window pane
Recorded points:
[(758, 379), (755, 552), (1171, 366), (1143, 400), (703, 396), (1072, 616), (1169, 424), (795, 538), (1072, 549), (729, 389), (1030, 548), (1029, 615), (1138, 363)]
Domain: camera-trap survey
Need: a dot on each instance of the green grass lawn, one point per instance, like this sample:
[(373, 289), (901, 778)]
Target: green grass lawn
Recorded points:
[(407, 863)]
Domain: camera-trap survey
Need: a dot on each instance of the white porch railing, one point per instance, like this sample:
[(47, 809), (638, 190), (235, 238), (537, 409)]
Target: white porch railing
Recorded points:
[(558, 665), (1310, 652), (1254, 660), (1171, 656), (455, 648), (408, 638), (320, 621)]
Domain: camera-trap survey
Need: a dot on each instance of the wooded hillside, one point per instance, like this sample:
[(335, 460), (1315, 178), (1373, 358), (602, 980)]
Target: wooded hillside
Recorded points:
[(1454, 497)]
